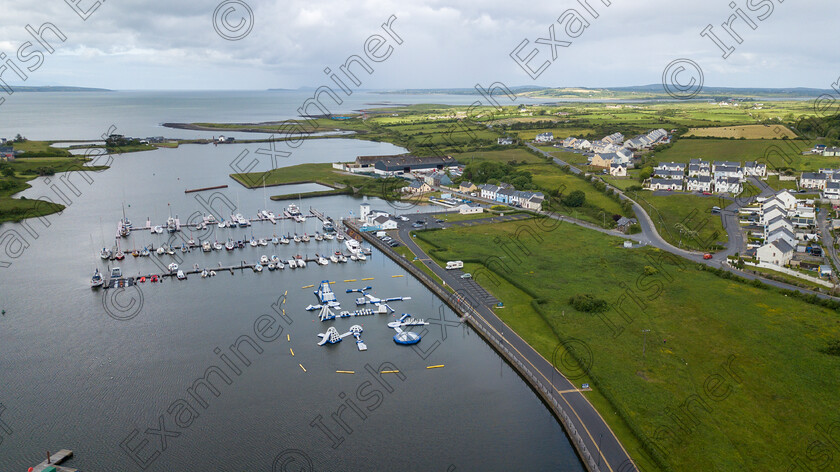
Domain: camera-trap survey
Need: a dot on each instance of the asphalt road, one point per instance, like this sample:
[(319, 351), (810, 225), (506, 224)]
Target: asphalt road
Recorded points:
[(597, 436)]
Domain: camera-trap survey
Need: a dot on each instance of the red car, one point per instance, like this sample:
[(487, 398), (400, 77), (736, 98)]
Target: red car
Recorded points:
[(707, 193), (707, 256)]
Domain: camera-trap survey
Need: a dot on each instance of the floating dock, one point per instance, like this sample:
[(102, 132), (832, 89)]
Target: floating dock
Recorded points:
[(54, 460), (205, 188)]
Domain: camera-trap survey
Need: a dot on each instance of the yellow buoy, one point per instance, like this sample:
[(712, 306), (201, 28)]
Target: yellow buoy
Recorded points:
[(396, 276), (308, 286), (389, 372), (301, 366), (293, 352), (434, 366), (345, 372), (350, 280), (368, 278)]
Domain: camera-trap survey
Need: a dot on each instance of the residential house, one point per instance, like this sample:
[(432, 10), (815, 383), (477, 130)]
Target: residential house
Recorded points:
[(469, 209), (7, 153), (535, 202), (625, 154), (769, 213), (544, 137), (506, 141), (782, 233), (678, 166), (717, 164), (755, 169), (831, 152), (488, 191), (604, 146), (812, 180), (702, 183), (618, 170), (668, 174), (569, 142), (467, 187), (583, 145), (605, 159), (504, 195), (417, 187), (731, 185), (436, 179), (778, 252), (725, 172), (615, 138), (623, 223), (832, 190), (776, 223), (665, 184)]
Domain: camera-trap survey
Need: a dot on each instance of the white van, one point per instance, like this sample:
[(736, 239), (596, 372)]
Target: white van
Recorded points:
[(454, 265)]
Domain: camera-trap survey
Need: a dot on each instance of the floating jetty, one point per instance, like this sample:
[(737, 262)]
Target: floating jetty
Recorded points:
[(51, 464), (205, 188)]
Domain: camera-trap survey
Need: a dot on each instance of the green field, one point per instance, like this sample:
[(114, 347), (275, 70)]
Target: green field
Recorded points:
[(774, 182), (780, 153), (760, 348), (323, 174), (699, 230), (550, 177), (513, 154)]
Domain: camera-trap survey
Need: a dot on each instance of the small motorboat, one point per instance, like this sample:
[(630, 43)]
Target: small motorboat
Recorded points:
[(271, 266), (119, 255), (329, 237), (263, 259), (217, 246), (334, 259), (305, 238), (142, 279), (191, 242), (274, 258), (144, 252), (135, 253), (254, 242), (154, 279), (340, 237), (97, 280), (105, 253), (300, 262), (353, 257), (181, 275), (319, 237), (258, 268), (284, 240), (210, 219), (173, 267), (292, 264), (275, 240), (361, 257), (160, 251), (195, 267), (169, 250), (279, 265), (322, 260), (205, 246), (204, 274), (263, 242), (116, 273), (297, 238), (157, 229), (184, 248), (229, 245)]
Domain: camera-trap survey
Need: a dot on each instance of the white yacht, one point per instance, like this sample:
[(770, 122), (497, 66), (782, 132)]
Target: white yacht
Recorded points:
[(96, 280), (205, 246)]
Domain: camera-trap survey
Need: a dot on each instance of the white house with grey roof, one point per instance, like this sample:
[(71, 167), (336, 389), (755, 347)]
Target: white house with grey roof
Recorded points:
[(778, 253), (755, 169), (702, 183), (673, 166), (666, 184), (812, 180), (731, 185)]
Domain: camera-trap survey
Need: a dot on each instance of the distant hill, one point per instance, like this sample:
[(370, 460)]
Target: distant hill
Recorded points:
[(58, 88), (657, 91), (455, 91)]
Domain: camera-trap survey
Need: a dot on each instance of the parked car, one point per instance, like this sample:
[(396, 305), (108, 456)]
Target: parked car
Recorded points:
[(707, 256), (466, 276), (440, 221), (707, 193)]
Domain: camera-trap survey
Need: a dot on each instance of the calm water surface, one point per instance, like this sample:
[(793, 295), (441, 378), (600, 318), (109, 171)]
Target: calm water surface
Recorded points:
[(75, 377)]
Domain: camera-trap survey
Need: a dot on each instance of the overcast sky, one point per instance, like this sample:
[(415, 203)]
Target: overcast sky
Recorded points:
[(154, 44)]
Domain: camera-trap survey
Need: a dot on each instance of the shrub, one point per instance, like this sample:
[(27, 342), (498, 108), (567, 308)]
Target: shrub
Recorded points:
[(833, 348), (575, 199), (588, 304)]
